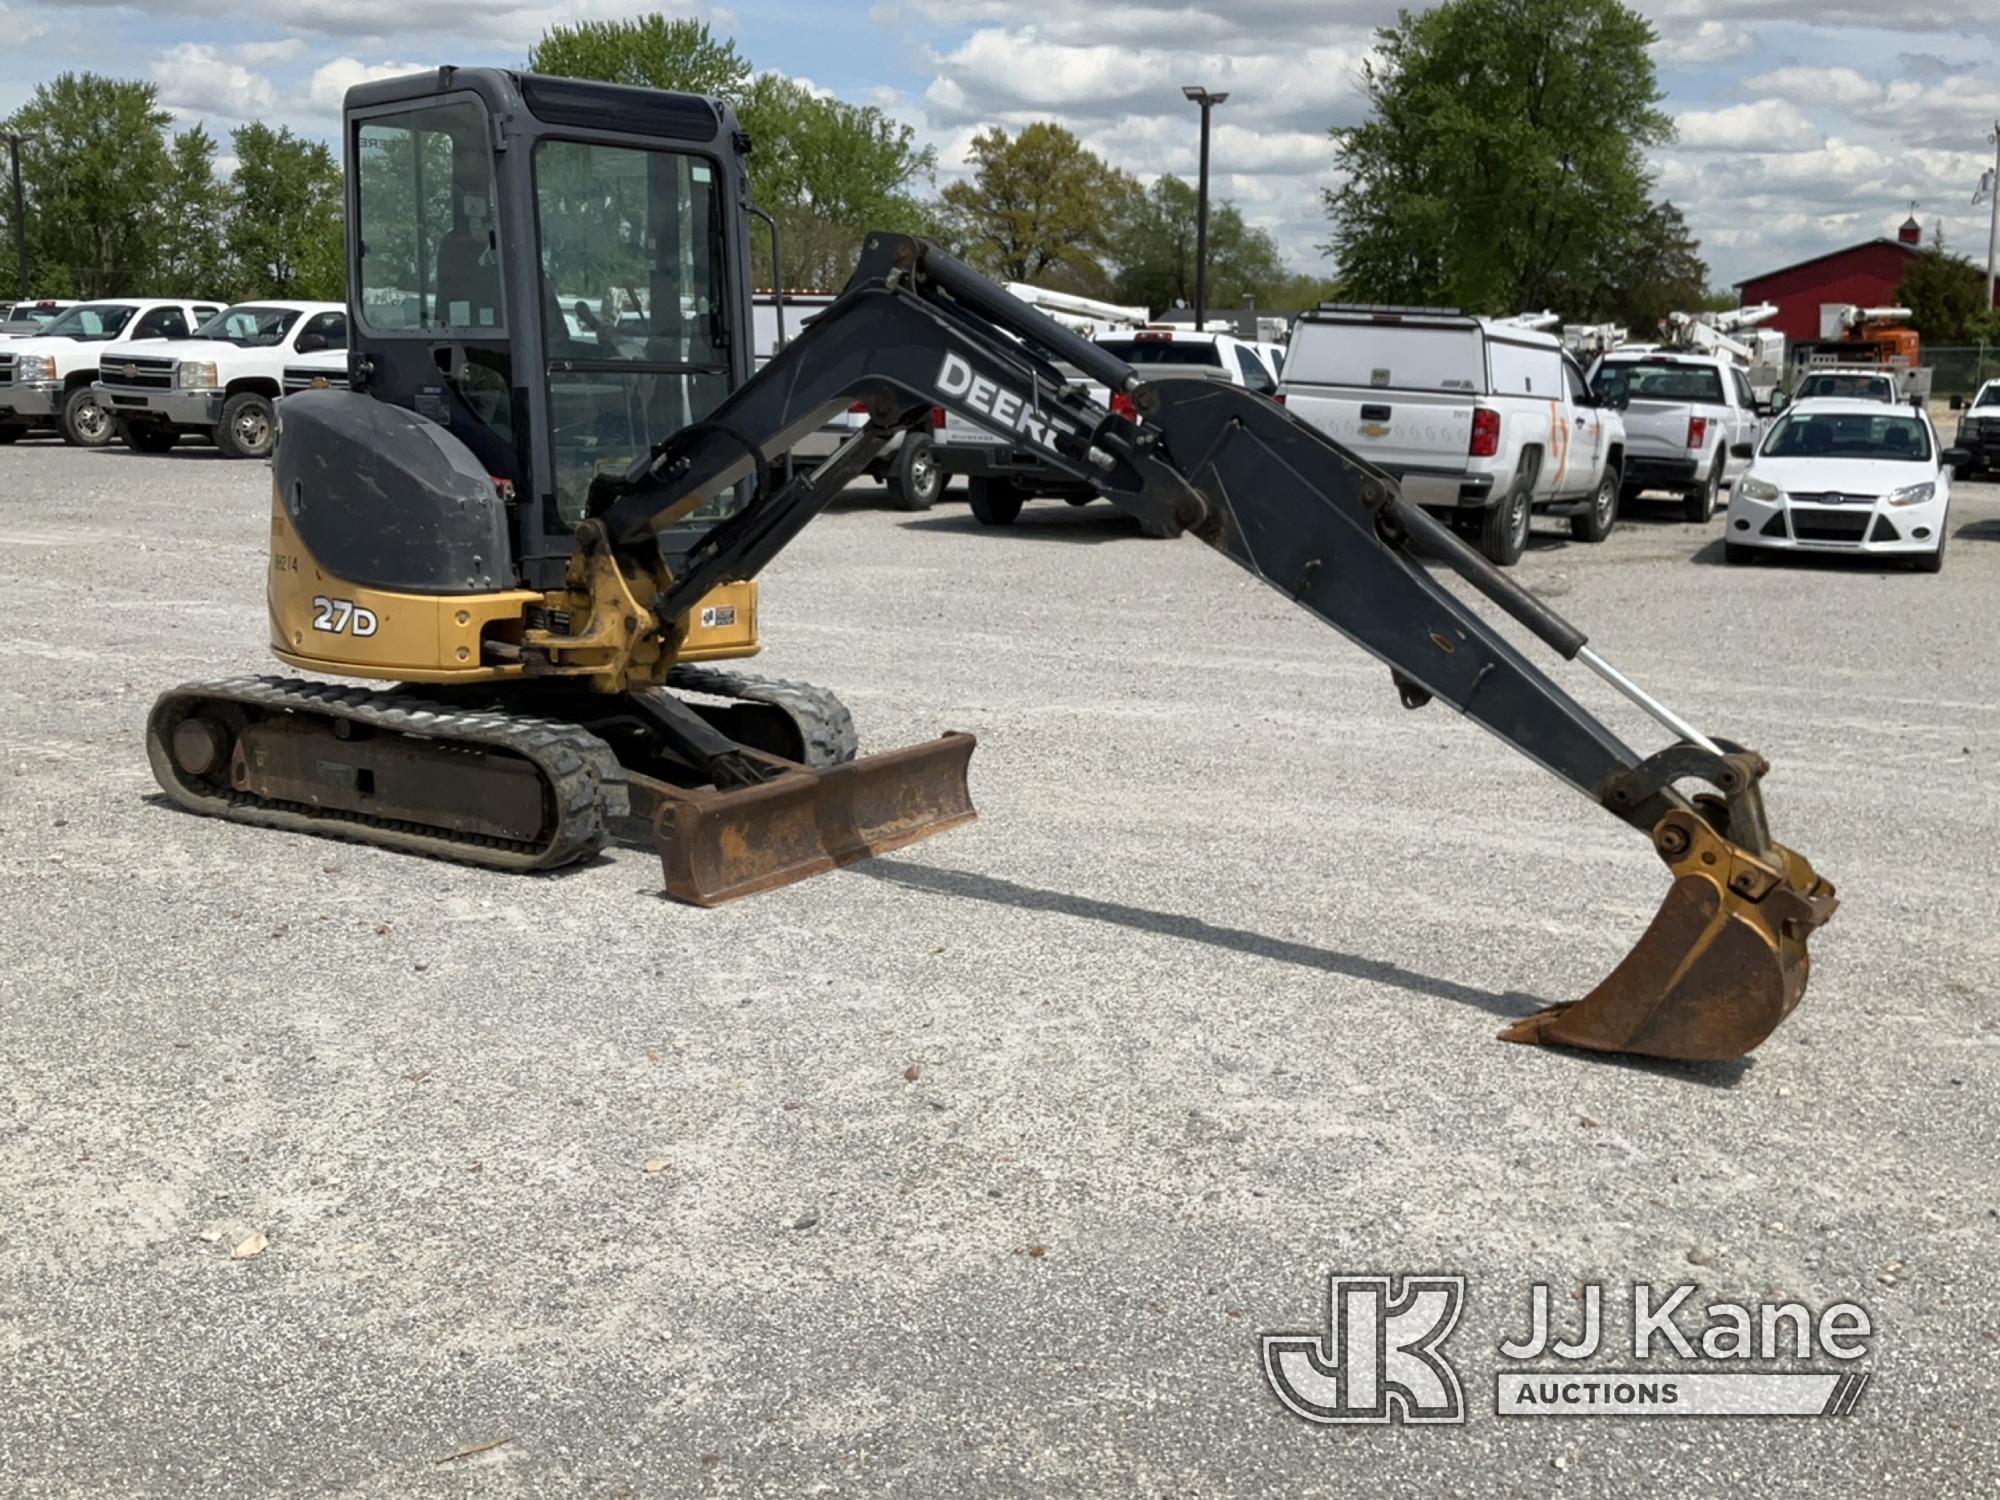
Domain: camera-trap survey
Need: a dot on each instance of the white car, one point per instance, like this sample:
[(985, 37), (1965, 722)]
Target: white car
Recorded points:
[(1858, 477)]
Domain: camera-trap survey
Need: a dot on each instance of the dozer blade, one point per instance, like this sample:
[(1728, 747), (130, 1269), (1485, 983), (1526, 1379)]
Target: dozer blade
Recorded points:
[(1723, 962), (718, 845)]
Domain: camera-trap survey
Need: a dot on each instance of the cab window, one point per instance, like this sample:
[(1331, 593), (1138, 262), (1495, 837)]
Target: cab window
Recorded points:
[(162, 323), (631, 268), (429, 249), (1579, 393), (326, 331), (1254, 374)]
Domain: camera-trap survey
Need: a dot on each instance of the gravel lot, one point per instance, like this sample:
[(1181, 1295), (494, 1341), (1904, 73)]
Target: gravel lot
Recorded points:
[(979, 1169)]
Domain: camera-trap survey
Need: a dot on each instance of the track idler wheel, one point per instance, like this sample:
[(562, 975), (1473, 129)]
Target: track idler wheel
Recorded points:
[(1723, 963)]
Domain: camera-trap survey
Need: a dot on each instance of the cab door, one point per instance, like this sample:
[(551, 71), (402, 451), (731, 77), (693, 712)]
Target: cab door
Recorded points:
[(1745, 426), (430, 328), (1586, 425)]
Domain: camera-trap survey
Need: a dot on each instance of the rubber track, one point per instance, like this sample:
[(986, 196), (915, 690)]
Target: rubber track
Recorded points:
[(825, 726), (585, 780)]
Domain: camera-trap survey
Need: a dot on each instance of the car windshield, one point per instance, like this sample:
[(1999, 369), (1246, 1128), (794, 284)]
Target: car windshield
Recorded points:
[(1660, 382), (37, 318), (1162, 350), (249, 327), (1849, 435), (95, 320), (1988, 397), (1848, 387)]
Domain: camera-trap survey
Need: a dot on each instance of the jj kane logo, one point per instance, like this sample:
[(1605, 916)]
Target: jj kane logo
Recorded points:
[(1381, 1357)]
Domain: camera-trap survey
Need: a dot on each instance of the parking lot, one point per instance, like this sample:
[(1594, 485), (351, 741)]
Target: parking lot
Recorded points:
[(983, 1165)]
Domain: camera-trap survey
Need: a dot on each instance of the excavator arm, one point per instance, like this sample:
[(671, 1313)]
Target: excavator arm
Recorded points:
[(1723, 962)]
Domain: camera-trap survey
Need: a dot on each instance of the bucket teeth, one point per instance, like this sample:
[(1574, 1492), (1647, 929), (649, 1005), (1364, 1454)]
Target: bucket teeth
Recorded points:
[(1722, 964), (718, 845)]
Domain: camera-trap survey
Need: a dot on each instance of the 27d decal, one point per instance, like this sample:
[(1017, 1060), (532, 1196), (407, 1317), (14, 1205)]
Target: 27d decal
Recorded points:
[(342, 616)]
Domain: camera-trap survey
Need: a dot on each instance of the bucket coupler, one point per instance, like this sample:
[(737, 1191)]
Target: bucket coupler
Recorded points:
[(1723, 962)]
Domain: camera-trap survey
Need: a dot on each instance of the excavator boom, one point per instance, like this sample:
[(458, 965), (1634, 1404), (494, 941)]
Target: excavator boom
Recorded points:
[(1724, 962)]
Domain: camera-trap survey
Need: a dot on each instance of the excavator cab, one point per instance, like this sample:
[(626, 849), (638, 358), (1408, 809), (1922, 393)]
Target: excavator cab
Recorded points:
[(556, 478), (555, 272)]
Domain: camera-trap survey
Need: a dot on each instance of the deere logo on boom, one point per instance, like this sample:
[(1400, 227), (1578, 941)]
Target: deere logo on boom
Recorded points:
[(1012, 413)]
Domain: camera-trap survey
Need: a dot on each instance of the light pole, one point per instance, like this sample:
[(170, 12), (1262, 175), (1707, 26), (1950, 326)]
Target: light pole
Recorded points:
[(1993, 216), (1207, 101), (20, 219)]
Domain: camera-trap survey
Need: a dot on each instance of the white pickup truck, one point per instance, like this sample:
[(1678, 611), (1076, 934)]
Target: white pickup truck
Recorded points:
[(1684, 413), (1482, 420), (46, 379), (223, 382)]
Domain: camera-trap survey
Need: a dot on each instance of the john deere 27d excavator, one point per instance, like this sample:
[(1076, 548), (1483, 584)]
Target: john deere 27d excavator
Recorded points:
[(545, 500)]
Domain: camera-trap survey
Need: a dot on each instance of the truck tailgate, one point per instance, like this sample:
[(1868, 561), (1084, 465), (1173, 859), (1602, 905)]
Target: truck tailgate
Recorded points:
[(1397, 430), (1658, 429)]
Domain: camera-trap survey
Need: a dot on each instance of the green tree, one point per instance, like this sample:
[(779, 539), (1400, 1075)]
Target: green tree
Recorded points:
[(1944, 293), (1652, 267), (1154, 247), (828, 171), (1040, 208), (650, 51), (287, 228), (92, 160), (192, 257), (1504, 154)]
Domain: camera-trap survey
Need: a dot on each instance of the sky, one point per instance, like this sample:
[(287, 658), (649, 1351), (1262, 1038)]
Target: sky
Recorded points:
[(1803, 125)]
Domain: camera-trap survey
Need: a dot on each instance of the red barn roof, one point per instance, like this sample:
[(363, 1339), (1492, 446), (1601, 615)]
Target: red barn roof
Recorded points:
[(1865, 275)]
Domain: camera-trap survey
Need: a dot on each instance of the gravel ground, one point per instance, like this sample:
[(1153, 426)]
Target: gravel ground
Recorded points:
[(978, 1169)]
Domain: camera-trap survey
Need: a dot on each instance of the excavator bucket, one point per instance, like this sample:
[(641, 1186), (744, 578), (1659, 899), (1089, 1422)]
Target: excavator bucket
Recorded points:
[(1723, 962), (718, 845)]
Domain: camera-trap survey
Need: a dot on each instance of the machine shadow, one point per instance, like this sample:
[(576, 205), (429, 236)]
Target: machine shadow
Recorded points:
[(966, 885), (1048, 521), (1510, 1006), (1978, 531)]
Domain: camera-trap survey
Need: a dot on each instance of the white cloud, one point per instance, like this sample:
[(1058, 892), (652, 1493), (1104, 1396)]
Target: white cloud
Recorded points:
[(514, 24), (1767, 125), (1706, 42), (262, 54), (194, 79), (19, 28), (331, 81)]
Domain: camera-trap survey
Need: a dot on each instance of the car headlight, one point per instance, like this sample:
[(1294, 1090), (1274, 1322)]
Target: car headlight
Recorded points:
[(32, 367), (1752, 488), (1913, 494), (195, 375)]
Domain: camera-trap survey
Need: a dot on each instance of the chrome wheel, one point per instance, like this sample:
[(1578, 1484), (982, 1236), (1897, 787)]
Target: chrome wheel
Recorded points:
[(253, 429)]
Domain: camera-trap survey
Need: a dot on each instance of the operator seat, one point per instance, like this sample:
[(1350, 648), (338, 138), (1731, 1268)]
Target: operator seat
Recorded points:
[(468, 276)]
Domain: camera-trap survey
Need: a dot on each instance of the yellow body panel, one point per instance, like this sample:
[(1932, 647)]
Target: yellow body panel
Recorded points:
[(325, 624)]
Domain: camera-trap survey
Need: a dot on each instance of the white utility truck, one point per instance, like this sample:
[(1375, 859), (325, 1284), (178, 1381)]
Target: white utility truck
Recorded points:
[(1482, 420)]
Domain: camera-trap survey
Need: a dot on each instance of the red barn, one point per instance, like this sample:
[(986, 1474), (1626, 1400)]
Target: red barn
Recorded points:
[(1865, 275)]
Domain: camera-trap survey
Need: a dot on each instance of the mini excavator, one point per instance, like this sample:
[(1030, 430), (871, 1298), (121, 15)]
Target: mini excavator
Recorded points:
[(538, 515)]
